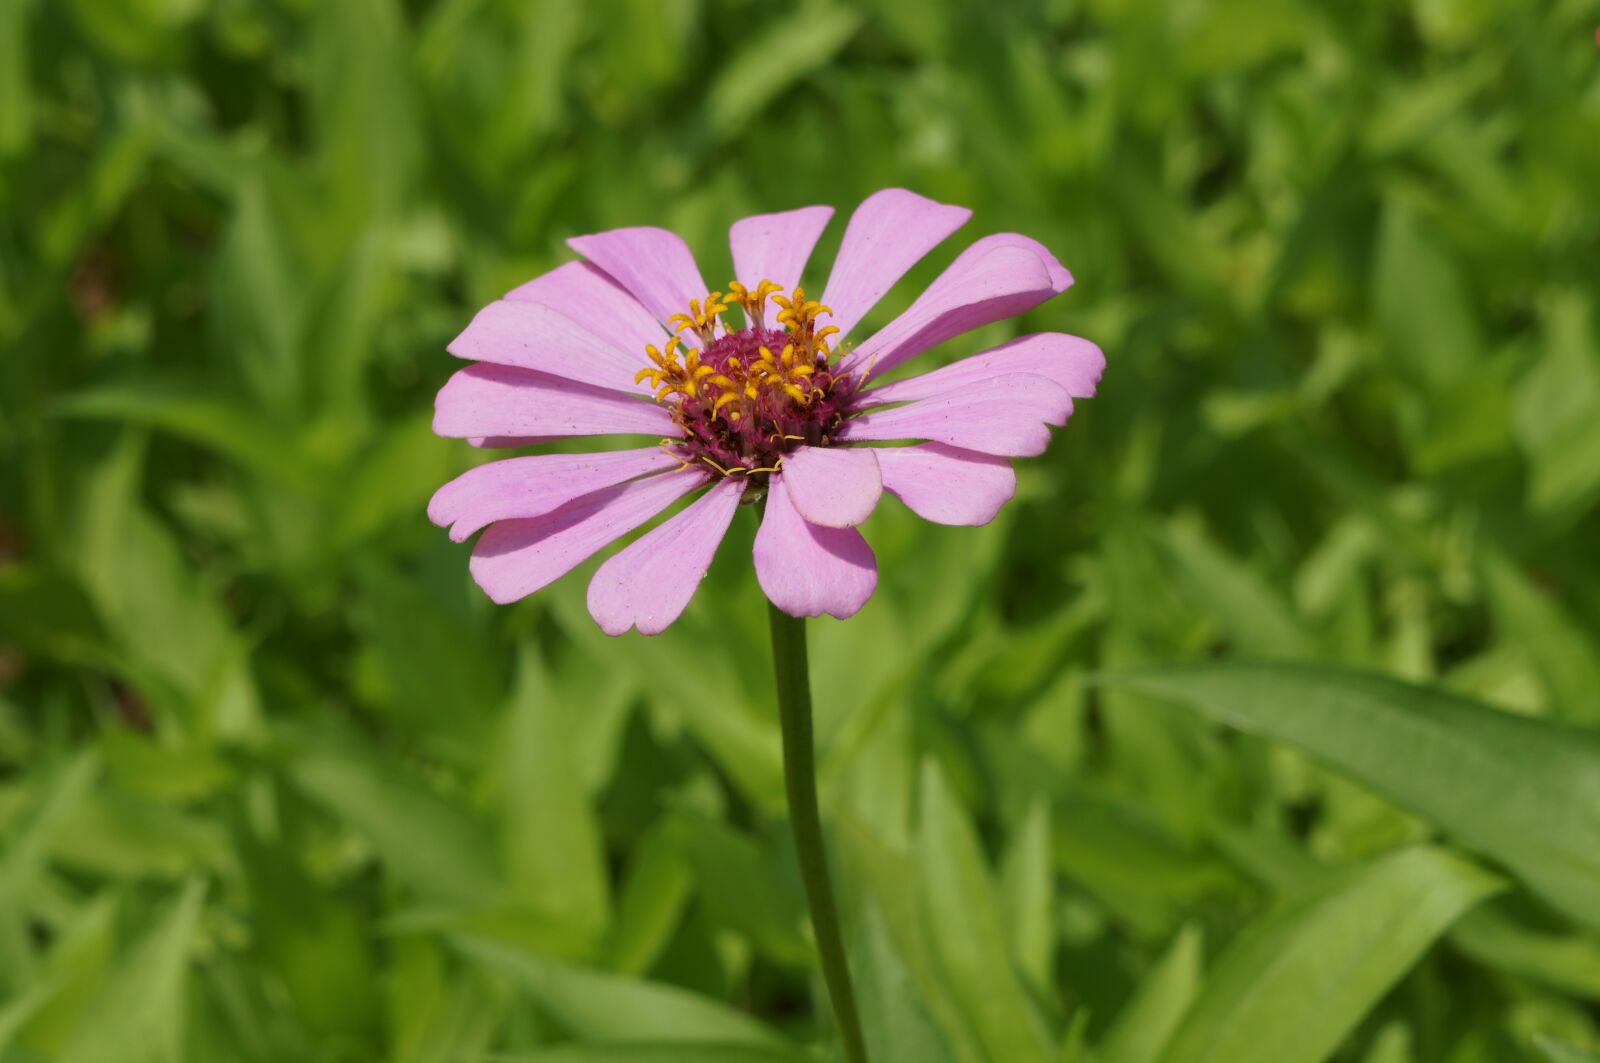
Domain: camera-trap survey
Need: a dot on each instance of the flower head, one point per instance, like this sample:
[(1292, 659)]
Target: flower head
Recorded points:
[(753, 395)]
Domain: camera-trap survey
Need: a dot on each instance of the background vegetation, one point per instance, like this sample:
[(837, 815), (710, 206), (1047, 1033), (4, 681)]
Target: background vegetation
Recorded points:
[(278, 784)]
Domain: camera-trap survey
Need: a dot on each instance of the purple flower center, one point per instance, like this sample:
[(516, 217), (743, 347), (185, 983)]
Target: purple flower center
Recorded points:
[(748, 396)]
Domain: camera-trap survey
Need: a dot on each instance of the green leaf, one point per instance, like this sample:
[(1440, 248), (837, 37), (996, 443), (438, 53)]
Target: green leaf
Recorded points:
[(427, 657), (1524, 792), (20, 1009), (426, 839), (1494, 937), (1391, 1045), (654, 895), (969, 934), (1422, 302), (139, 1015), (703, 1052), (62, 986), (1563, 652), (741, 888), (1075, 1042), (1554, 406), (893, 1019), (891, 881), (746, 745), (785, 53), (1130, 864), (1294, 984), (1250, 611), (1027, 879), (47, 613), (1146, 1023), (591, 1004), (174, 634), (1555, 1052), (258, 287), (313, 942), (361, 99), (389, 482), (198, 411), (31, 838), (16, 93), (554, 849), (1567, 476)]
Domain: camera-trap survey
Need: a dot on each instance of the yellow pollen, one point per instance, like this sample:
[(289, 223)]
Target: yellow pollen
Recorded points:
[(741, 389), (752, 301)]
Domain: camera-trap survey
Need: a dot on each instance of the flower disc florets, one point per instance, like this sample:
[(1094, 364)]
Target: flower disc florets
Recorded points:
[(748, 396)]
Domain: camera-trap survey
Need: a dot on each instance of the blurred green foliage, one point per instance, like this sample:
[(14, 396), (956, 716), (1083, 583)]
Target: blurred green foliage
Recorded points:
[(277, 784)]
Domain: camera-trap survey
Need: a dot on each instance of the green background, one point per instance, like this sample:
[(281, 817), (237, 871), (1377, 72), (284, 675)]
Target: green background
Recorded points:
[(277, 783)]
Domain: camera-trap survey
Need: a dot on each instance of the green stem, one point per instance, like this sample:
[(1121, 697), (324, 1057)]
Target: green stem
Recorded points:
[(800, 783)]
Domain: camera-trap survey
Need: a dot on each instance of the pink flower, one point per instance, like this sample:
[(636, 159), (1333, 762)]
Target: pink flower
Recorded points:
[(773, 408)]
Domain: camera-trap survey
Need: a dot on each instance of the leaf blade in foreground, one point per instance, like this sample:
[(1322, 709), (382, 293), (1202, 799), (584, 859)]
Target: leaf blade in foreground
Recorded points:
[(1295, 983), (1522, 791)]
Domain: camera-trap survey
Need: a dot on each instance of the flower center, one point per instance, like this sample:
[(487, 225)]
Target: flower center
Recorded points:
[(748, 396)]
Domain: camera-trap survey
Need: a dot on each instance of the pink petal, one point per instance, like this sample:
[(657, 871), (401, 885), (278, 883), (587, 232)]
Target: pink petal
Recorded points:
[(1073, 363), (775, 247), (833, 486), (888, 234), (997, 277), (1006, 416), (514, 558), (530, 486), (508, 442), (649, 584), (583, 292), (654, 264), (497, 400), (947, 485), (1060, 276), (533, 336), (807, 570)]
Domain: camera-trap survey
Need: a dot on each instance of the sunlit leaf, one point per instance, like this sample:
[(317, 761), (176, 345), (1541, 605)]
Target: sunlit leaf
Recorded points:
[(1556, 1052), (1292, 986), (1522, 792), (554, 849), (139, 1015), (594, 1005), (969, 935), (893, 1018), (1147, 1022)]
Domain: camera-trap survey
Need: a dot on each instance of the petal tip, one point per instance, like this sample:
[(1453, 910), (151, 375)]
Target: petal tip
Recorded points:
[(834, 487)]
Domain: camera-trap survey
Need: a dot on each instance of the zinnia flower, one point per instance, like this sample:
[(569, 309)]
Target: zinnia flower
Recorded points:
[(632, 341)]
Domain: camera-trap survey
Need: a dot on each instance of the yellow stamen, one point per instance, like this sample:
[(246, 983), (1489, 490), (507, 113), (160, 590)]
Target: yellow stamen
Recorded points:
[(753, 301), (741, 388)]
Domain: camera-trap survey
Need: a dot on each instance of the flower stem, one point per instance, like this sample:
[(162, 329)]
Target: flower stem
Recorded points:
[(800, 783)]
